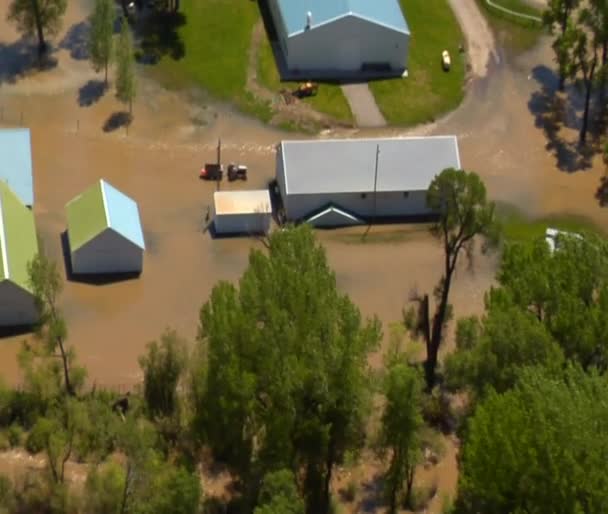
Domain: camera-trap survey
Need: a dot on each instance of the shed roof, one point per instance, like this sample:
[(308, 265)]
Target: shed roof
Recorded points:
[(348, 165), (242, 202), (382, 12), (18, 242), (16, 163), (100, 207)]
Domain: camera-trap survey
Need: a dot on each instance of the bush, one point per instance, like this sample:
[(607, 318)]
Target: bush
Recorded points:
[(7, 495), (420, 497), (15, 435), (349, 493), (36, 439), (4, 442), (437, 412)]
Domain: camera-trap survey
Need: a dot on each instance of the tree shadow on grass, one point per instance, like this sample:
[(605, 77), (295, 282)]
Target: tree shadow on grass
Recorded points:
[(91, 92), (76, 40), (116, 121), (20, 58), (159, 36), (371, 494), (552, 113)]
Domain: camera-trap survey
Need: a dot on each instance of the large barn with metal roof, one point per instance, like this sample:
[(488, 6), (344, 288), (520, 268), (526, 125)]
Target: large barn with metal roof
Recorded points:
[(18, 247), (336, 38), (104, 232), (337, 182)]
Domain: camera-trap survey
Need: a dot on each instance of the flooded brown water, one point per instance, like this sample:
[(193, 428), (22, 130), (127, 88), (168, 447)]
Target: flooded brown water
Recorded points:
[(157, 164)]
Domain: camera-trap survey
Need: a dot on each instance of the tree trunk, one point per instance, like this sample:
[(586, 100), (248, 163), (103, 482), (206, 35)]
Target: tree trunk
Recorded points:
[(588, 87), (409, 483), (105, 82), (329, 466), (125, 491), (564, 26), (432, 349), (66, 371), (39, 31)]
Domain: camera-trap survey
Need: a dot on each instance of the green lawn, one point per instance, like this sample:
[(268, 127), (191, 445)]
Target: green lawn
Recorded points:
[(514, 5), (216, 36), (518, 227), (329, 99), (516, 34), (428, 92)]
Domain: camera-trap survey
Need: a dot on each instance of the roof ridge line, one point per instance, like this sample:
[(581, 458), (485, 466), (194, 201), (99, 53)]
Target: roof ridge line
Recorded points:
[(3, 242), (105, 203)]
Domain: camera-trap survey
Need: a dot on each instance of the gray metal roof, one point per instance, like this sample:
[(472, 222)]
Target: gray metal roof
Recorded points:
[(348, 165)]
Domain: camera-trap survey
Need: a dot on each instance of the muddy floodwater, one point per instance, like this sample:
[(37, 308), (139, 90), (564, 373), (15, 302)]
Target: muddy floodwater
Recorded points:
[(76, 141)]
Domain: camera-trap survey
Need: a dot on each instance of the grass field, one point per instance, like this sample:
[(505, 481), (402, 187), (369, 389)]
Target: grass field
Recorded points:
[(216, 47), (329, 99), (517, 227), (428, 92), (515, 33)]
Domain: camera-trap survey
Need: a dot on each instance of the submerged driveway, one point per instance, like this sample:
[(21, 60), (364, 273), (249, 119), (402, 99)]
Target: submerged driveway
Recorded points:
[(363, 105)]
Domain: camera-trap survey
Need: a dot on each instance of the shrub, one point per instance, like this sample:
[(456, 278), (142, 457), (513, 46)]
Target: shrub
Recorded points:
[(4, 442), (15, 435), (36, 439)]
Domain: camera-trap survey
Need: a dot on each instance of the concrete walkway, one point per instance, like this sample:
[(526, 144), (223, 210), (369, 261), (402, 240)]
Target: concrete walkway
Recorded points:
[(363, 105)]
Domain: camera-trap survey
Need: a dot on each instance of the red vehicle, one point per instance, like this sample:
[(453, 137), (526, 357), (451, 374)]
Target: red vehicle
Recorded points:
[(211, 172)]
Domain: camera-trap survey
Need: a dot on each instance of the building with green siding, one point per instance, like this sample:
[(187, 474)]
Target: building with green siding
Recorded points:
[(18, 247), (104, 232)]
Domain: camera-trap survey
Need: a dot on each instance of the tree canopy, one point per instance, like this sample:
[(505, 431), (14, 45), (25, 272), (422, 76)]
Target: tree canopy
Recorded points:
[(38, 17), (464, 214), (539, 447), (101, 36), (286, 380)]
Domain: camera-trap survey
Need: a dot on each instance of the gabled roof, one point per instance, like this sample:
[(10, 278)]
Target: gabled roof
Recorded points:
[(349, 165), (16, 163), (18, 242), (99, 208), (333, 216), (382, 12)]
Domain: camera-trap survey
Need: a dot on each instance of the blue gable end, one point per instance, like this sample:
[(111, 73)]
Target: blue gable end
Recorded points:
[(123, 215), (383, 12), (16, 163)]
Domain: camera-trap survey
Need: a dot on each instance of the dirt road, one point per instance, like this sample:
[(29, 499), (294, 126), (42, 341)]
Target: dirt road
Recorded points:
[(480, 39)]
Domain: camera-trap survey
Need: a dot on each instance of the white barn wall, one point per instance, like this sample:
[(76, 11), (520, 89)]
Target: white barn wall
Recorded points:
[(108, 253), (279, 26), (345, 44), (250, 223), (388, 204), (17, 306)]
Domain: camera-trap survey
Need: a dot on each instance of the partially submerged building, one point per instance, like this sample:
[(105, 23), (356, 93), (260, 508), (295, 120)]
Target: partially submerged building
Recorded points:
[(242, 212), (18, 247), (349, 181), (337, 38), (16, 163), (104, 232)]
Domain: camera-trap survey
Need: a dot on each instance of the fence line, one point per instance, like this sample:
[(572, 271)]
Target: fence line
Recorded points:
[(514, 13)]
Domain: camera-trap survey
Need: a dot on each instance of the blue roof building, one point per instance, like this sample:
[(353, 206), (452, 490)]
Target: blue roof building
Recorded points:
[(16, 163), (104, 231), (341, 38)]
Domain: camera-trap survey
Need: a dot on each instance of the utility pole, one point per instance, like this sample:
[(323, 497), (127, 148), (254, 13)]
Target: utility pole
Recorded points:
[(376, 181)]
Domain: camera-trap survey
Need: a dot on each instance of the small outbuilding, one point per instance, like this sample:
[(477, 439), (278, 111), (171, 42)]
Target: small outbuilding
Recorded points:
[(16, 163), (104, 232), (18, 247), (242, 212), (338, 182), (339, 38)]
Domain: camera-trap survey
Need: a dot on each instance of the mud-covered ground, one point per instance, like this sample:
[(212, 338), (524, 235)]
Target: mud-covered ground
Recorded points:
[(507, 133)]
